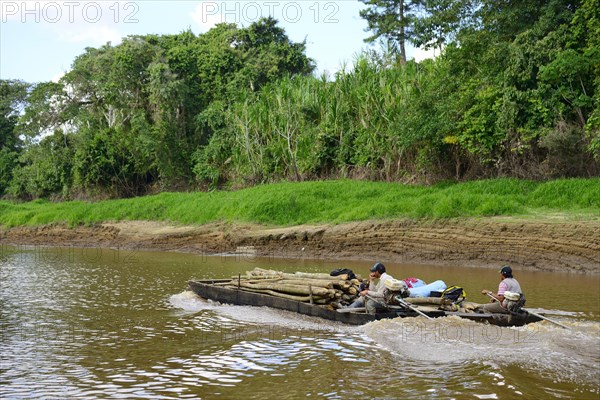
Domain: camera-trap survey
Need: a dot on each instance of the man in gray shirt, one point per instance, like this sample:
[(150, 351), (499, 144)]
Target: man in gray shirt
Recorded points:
[(507, 284)]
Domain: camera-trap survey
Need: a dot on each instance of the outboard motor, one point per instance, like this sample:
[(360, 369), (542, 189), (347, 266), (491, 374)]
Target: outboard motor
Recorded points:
[(395, 287), (514, 301)]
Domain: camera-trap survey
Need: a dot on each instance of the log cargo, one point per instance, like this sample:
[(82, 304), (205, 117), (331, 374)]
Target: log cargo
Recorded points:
[(231, 294), (306, 287)]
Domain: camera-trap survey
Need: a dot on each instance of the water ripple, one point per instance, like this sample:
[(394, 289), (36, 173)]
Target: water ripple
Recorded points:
[(94, 326)]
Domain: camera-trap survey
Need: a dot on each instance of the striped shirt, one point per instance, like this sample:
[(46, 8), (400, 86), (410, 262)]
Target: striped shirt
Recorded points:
[(509, 284)]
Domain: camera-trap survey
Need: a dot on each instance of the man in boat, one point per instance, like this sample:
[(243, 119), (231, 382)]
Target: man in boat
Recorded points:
[(507, 284), (373, 297)]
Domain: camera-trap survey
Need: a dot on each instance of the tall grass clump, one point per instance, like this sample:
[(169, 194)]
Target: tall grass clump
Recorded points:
[(367, 123), (567, 194), (291, 203)]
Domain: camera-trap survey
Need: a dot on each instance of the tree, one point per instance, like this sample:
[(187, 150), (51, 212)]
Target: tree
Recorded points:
[(137, 116), (268, 54), (44, 169), (526, 81), (441, 20), (13, 94), (392, 20), (586, 35), (47, 110)]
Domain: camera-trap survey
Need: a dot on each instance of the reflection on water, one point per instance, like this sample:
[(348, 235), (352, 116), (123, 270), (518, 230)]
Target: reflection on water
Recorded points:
[(88, 323)]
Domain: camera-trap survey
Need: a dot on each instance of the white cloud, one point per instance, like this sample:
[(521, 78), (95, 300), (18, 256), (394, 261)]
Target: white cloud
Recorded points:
[(61, 12), (94, 22), (90, 22), (57, 77), (95, 34), (209, 13), (206, 15), (419, 54)]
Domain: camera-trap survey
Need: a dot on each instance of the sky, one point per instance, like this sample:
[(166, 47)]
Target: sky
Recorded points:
[(40, 39)]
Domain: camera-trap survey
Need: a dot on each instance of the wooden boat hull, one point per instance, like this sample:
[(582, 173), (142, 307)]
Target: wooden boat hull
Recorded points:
[(208, 290)]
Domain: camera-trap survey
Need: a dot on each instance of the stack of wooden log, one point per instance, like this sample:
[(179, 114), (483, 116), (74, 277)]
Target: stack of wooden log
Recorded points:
[(314, 288)]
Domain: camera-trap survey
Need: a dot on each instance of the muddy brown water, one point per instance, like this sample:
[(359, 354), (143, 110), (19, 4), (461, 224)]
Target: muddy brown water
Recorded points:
[(98, 323)]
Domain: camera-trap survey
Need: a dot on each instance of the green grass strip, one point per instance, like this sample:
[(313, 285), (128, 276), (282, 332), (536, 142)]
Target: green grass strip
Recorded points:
[(287, 204)]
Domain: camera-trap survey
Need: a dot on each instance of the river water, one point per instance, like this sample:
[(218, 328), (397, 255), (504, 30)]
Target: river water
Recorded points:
[(98, 323)]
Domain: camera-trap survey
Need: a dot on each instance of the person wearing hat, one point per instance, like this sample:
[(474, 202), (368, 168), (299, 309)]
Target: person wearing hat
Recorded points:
[(375, 292), (507, 284)]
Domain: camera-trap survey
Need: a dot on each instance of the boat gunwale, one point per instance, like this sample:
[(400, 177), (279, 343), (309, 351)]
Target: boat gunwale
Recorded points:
[(206, 288)]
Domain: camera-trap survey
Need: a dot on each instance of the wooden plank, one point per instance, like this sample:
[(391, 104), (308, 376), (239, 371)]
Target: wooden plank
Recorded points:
[(352, 310)]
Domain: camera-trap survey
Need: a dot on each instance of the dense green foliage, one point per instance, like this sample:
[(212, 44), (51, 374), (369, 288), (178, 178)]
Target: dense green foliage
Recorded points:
[(514, 93), (12, 97), (129, 117), (327, 202)]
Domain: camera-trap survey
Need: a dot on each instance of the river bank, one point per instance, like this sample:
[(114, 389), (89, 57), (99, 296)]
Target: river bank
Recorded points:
[(569, 246)]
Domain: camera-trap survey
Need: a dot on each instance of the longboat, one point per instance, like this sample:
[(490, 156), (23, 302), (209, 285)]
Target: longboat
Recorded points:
[(211, 290)]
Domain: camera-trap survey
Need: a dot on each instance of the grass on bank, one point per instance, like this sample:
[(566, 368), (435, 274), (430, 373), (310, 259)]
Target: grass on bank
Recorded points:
[(328, 202)]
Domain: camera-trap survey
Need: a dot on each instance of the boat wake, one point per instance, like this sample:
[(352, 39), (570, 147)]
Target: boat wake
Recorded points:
[(189, 301), (569, 355), (264, 316), (572, 354)]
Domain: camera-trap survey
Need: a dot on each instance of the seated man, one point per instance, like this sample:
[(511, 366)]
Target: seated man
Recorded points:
[(374, 295), (507, 284)]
